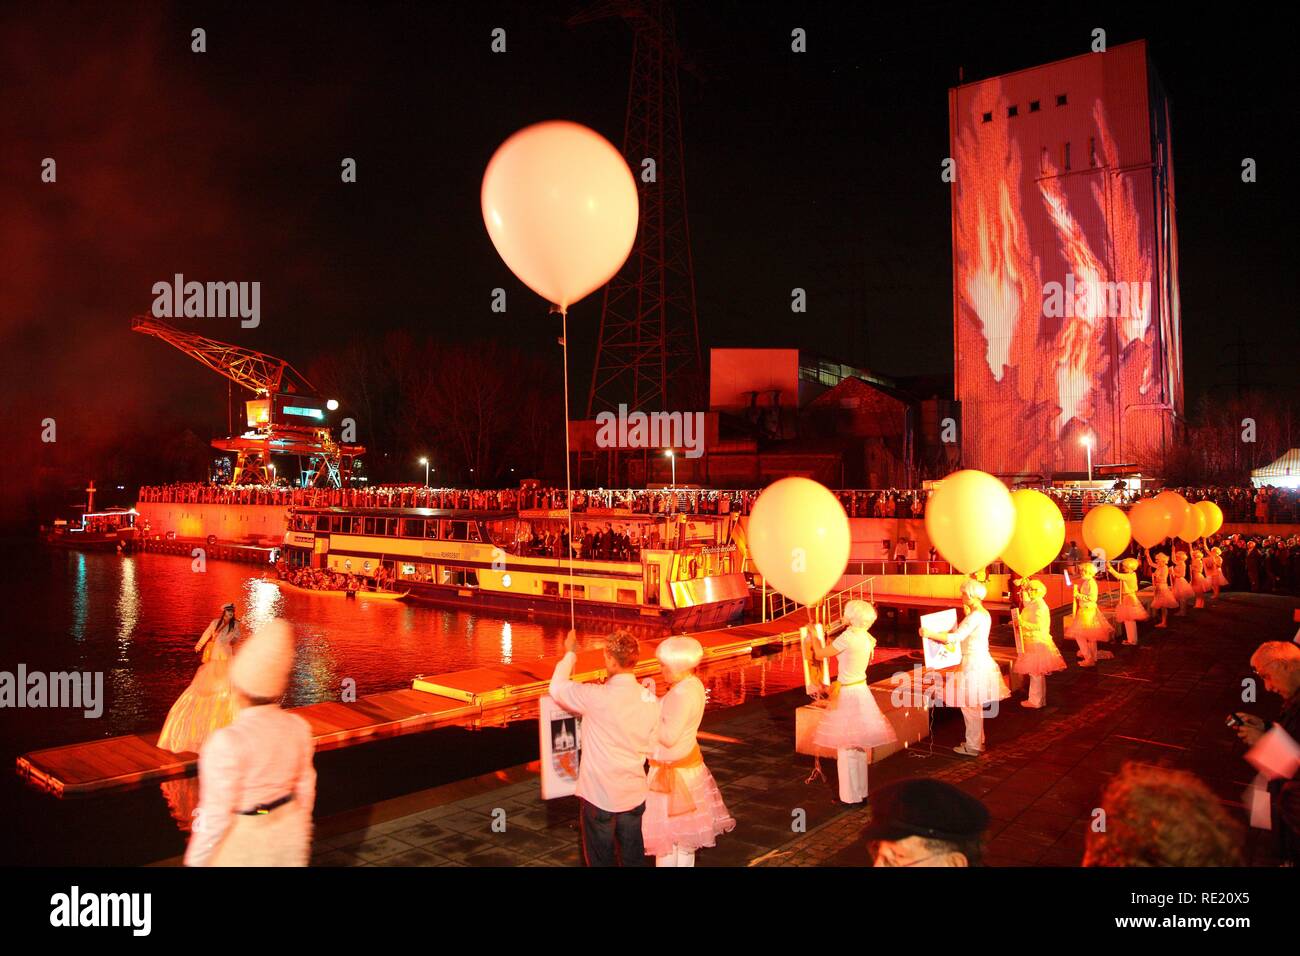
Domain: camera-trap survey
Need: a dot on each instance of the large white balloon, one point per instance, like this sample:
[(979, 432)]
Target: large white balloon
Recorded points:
[(970, 519), (560, 206), (799, 538)]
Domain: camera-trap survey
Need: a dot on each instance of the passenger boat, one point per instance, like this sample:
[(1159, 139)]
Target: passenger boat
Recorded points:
[(682, 571), (112, 529)]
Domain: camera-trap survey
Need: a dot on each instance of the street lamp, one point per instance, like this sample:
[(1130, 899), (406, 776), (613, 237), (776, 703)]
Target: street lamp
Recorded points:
[(425, 463), (1086, 441), (672, 458)]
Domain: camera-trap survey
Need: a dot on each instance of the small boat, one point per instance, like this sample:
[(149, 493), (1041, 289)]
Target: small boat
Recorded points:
[(112, 529), (338, 592)]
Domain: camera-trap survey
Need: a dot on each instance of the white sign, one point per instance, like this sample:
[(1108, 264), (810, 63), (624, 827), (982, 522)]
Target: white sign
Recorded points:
[(560, 734)]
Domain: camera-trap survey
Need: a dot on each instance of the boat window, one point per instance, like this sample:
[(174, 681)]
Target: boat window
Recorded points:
[(322, 522), (369, 526), (453, 530), (472, 528), (412, 527), (502, 533), (626, 596), (336, 524), (431, 529)]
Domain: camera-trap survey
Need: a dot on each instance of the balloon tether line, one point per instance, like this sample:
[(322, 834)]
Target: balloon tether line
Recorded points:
[(568, 480)]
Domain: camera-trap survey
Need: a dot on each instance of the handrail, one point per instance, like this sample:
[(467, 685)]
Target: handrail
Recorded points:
[(831, 608)]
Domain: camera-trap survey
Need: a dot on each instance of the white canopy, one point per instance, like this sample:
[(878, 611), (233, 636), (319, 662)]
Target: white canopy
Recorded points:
[(1283, 473)]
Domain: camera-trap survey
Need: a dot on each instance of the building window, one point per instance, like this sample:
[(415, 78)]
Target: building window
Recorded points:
[(1034, 106), (988, 117), (1060, 99), (1092, 151), (1066, 158), (1013, 111)]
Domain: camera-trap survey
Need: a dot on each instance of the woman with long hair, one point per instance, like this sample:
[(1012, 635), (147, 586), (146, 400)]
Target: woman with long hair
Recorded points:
[(207, 703)]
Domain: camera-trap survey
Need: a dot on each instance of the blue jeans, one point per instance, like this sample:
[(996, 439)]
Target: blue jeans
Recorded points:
[(612, 839)]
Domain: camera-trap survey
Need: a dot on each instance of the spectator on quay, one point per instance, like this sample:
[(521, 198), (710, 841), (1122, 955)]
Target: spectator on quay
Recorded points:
[(1160, 817), (925, 822), (1277, 664), (620, 718)]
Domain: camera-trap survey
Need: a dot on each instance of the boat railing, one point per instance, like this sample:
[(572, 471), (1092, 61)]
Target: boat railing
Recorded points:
[(831, 609)]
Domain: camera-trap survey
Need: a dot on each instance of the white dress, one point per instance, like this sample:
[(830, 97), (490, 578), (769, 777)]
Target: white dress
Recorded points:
[(1164, 595), (1040, 657), (683, 808), (977, 680), (853, 720)]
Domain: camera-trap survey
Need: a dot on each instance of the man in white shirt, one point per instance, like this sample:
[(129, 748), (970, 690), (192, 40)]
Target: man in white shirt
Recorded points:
[(619, 718)]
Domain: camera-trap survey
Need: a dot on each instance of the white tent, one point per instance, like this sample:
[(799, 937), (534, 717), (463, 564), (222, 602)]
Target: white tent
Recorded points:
[(1283, 473)]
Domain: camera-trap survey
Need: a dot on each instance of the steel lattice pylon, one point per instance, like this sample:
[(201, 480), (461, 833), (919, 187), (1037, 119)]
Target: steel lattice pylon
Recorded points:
[(648, 355)]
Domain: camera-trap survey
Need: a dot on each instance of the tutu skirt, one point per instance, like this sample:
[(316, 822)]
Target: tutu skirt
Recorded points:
[(206, 705), (1089, 625), (1164, 598), (1219, 579), (976, 682), (1130, 609), (853, 720), (1200, 583), (693, 829), (1039, 659), (1183, 591)]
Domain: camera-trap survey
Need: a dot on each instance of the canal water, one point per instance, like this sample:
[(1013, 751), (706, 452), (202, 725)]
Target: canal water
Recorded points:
[(135, 619)]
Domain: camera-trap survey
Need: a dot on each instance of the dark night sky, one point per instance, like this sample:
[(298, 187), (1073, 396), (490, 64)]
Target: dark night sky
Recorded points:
[(818, 170)]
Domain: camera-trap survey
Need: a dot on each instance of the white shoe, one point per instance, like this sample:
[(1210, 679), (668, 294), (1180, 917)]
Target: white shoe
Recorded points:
[(966, 751), (1031, 705)]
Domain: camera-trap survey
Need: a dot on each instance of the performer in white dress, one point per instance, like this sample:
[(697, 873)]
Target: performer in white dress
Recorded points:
[(1164, 600), (1129, 610), (853, 722), (1200, 583), (1088, 626), (976, 681), (683, 808), (207, 703), (1040, 656), (1183, 592), (1217, 579)]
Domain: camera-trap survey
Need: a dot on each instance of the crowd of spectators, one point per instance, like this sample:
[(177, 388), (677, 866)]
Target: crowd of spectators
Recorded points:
[(327, 579), (1263, 505)]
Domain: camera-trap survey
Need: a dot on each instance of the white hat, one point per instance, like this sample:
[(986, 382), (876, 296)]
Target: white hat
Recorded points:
[(262, 665)]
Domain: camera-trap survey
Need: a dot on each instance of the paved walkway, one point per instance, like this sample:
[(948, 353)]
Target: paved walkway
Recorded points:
[(1162, 703)]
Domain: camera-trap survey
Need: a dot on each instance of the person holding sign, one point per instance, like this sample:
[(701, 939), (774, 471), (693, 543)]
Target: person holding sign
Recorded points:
[(684, 809), (1088, 626), (1274, 744), (1130, 609), (976, 681), (618, 728), (1039, 656), (853, 722)]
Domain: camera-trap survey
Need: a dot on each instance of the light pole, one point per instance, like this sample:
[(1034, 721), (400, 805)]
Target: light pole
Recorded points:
[(1087, 443), (673, 459), (425, 463)]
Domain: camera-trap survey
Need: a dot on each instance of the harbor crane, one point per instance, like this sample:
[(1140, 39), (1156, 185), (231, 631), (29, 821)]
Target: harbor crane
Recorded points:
[(286, 416)]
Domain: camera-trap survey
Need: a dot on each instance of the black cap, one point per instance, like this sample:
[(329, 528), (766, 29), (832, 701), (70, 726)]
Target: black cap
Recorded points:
[(925, 808)]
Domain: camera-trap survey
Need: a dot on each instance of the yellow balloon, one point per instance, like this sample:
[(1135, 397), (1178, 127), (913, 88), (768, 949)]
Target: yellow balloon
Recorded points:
[(1213, 516), (1038, 535), (1175, 507), (1149, 522), (970, 519), (799, 538), (1106, 527), (560, 205), (1193, 525)]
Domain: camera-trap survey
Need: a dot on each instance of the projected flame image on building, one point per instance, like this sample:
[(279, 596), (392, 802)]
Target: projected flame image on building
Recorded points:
[(1065, 293)]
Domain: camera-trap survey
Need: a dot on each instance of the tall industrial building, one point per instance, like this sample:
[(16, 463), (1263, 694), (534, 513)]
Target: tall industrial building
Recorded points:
[(1065, 266)]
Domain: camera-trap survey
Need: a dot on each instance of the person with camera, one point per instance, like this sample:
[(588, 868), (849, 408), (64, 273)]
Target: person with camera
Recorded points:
[(1277, 664)]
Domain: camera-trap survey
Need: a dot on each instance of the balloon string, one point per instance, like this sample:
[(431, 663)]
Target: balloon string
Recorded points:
[(568, 479)]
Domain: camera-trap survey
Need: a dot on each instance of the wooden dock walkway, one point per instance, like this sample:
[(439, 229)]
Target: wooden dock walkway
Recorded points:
[(432, 701), (119, 762)]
